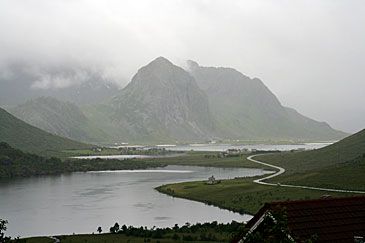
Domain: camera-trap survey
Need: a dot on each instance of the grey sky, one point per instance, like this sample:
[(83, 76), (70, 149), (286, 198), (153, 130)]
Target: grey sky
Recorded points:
[(311, 54)]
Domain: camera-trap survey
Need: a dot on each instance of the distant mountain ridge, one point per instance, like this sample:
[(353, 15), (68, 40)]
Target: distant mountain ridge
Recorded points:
[(165, 103), (246, 108)]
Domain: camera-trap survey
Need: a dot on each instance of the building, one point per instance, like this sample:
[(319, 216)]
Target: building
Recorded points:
[(211, 180), (323, 220)]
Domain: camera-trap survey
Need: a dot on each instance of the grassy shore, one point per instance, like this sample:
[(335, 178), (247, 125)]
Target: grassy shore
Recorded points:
[(239, 195)]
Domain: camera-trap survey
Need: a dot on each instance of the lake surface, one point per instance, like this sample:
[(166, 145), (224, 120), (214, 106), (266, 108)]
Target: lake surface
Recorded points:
[(120, 156), (266, 147), (80, 202)]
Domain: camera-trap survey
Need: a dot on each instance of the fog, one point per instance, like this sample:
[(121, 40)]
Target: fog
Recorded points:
[(309, 53)]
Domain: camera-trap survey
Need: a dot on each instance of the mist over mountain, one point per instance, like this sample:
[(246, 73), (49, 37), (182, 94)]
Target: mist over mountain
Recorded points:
[(246, 109), (78, 85)]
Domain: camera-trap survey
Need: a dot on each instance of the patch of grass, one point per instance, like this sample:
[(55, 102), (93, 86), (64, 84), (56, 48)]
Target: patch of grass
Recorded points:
[(347, 176), (239, 195)]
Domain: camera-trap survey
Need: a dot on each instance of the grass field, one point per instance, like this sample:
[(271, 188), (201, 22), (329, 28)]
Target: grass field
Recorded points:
[(347, 176), (341, 152), (239, 195)]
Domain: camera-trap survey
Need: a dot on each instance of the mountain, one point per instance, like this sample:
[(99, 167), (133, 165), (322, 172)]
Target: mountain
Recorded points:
[(26, 137), (77, 85), (161, 103), (58, 117), (245, 108)]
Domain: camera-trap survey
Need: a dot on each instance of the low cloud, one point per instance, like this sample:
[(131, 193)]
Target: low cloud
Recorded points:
[(309, 53)]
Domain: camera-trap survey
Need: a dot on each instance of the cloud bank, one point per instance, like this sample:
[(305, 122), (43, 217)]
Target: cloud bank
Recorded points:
[(309, 53)]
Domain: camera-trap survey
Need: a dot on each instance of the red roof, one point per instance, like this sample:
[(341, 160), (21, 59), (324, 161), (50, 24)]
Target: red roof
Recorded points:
[(331, 219)]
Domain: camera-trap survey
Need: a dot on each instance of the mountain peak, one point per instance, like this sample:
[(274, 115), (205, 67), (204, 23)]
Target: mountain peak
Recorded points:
[(192, 65), (160, 61)]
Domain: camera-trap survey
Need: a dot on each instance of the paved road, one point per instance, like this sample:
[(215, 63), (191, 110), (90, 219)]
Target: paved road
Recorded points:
[(282, 170), (56, 240)]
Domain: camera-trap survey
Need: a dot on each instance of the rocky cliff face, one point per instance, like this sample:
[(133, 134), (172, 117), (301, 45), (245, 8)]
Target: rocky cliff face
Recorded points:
[(163, 101)]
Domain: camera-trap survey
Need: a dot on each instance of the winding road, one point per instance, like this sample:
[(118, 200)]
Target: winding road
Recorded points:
[(282, 170)]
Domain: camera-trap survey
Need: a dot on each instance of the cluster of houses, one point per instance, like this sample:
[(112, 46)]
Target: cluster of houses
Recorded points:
[(233, 152)]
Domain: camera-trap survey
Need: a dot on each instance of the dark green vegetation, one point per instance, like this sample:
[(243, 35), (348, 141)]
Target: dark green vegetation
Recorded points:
[(15, 163), (207, 232), (239, 195), (57, 117), (31, 139), (3, 228)]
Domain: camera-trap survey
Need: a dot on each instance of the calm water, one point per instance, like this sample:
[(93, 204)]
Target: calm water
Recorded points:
[(119, 156), (80, 202), (267, 147)]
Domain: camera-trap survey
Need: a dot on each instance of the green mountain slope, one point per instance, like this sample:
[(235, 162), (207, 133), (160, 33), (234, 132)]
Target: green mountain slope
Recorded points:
[(23, 136), (57, 117), (246, 109), (338, 166), (347, 149)]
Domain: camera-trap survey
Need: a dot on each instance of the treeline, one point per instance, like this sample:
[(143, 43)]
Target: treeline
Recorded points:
[(15, 163), (213, 231)]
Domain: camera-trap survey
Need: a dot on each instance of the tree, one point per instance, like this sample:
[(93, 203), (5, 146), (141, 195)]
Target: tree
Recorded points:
[(116, 227), (3, 228), (99, 230)]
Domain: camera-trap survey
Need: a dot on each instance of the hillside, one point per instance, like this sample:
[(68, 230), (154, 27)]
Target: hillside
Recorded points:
[(57, 117), (343, 151), (246, 109), (28, 138), (161, 103)]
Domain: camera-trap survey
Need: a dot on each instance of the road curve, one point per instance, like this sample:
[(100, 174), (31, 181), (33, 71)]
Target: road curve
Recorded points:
[(282, 170), (56, 240)]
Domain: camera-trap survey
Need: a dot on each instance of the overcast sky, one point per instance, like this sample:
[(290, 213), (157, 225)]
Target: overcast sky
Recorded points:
[(311, 54)]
